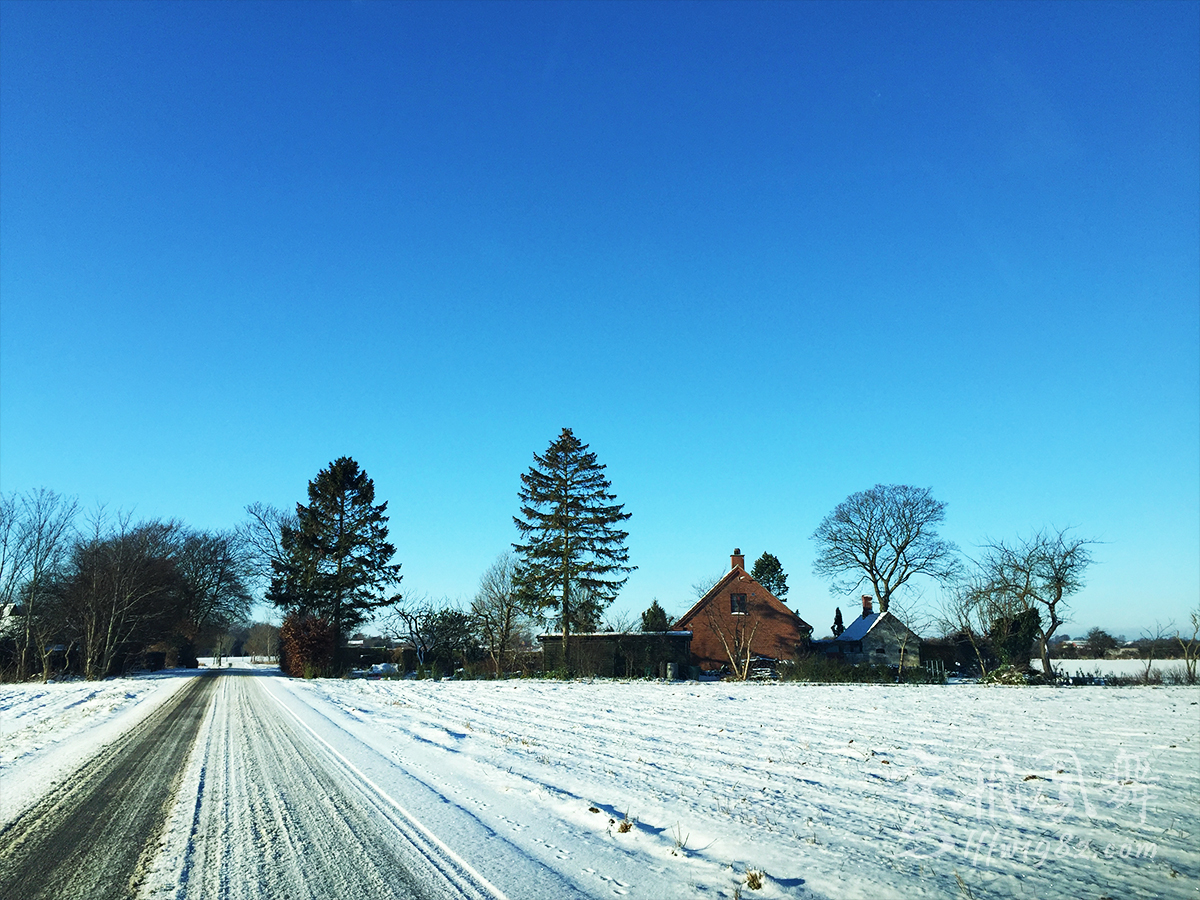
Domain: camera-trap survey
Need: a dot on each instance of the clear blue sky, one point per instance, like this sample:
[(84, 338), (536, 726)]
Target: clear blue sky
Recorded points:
[(758, 256)]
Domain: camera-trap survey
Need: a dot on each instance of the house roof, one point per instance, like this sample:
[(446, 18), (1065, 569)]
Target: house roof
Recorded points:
[(861, 627), (737, 573)]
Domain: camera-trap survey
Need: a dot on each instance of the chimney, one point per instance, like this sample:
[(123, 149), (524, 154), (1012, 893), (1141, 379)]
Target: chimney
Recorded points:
[(867, 609), (737, 561)]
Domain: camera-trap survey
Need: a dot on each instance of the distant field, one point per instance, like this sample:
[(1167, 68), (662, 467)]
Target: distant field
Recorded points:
[(1123, 667)]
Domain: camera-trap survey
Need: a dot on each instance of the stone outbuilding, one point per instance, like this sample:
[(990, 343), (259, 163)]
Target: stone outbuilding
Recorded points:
[(875, 638)]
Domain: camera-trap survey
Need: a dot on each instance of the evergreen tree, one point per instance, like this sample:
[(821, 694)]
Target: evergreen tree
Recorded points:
[(838, 627), (655, 618), (336, 562), (573, 546), (768, 572)]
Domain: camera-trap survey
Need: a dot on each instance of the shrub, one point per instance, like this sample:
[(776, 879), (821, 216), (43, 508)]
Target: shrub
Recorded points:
[(306, 646), (1012, 675), (829, 669)]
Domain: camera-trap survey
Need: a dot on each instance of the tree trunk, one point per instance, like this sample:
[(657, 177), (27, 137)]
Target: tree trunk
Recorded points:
[(1046, 668)]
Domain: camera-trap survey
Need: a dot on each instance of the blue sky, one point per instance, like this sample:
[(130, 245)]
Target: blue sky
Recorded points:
[(758, 256)]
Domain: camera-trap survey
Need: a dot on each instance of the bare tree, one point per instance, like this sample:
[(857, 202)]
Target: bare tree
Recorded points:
[(1191, 647), (262, 643), (702, 586), (122, 589), (216, 568), (10, 530), (35, 530), (986, 616), (884, 536), (736, 633), (498, 615), (413, 620), (1152, 639), (1040, 572), (916, 619), (262, 541)]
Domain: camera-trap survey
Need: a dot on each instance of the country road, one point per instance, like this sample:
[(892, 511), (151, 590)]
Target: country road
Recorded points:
[(89, 836), (224, 792), (279, 816)]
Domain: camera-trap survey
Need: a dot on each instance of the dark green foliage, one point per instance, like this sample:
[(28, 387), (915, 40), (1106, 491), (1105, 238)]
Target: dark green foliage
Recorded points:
[(838, 626), (655, 618), (768, 572), (574, 556), (336, 561), (1100, 642), (1013, 637)]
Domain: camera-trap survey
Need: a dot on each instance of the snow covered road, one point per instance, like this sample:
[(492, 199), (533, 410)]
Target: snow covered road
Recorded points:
[(544, 789), (276, 812)]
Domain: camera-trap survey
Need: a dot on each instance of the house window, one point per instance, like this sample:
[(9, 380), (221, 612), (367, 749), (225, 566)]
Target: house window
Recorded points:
[(879, 650), (737, 604)]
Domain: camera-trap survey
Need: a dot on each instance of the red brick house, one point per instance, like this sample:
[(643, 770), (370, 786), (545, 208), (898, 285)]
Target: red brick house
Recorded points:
[(739, 619)]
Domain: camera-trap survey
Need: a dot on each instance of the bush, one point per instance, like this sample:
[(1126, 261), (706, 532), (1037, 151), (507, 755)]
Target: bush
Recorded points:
[(828, 669), (1012, 675), (306, 646)]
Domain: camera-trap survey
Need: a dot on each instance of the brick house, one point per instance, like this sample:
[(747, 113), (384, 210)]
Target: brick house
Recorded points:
[(737, 609)]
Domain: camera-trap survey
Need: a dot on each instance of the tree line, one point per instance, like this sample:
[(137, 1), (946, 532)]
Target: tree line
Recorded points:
[(94, 598), (92, 595)]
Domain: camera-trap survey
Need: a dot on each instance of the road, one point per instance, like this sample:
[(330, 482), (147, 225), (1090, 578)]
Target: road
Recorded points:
[(274, 812), (88, 838), (279, 816)]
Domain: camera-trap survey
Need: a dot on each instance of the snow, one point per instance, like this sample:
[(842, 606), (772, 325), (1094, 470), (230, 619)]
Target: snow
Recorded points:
[(1125, 668), (858, 629), (829, 790), (48, 730)]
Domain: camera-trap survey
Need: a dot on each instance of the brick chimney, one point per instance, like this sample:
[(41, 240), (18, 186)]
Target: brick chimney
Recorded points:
[(736, 560), (867, 607)]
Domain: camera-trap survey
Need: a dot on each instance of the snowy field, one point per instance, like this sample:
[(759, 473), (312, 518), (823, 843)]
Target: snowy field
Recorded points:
[(47, 730), (681, 790), (1125, 668)]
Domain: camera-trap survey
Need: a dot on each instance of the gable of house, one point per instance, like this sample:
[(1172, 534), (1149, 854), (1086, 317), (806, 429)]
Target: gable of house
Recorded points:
[(876, 638), (738, 600)]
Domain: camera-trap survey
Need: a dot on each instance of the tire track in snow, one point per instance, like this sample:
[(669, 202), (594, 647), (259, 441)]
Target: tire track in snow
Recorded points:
[(281, 813)]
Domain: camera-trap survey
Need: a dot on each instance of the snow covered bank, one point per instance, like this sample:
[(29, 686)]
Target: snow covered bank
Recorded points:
[(48, 730)]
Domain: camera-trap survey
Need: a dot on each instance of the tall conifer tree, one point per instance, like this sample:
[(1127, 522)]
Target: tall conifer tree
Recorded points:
[(337, 560), (571, 528), (768, 571)]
